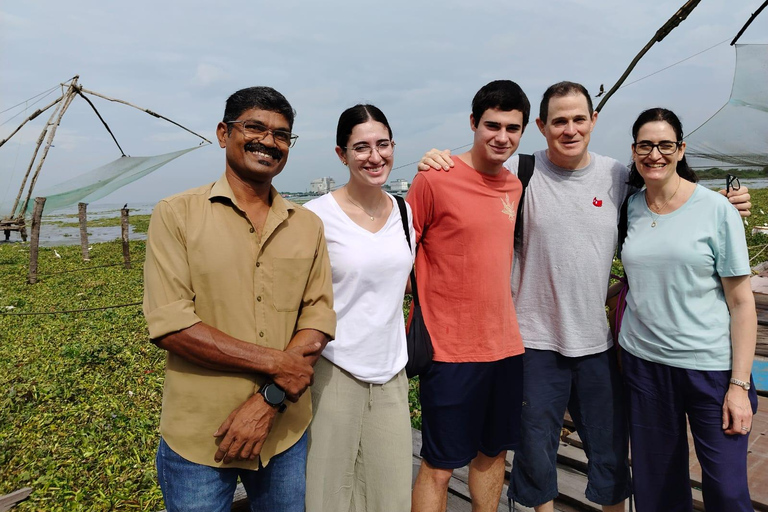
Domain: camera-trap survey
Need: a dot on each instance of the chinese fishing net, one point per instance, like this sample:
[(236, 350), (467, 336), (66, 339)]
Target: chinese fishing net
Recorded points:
[(736, 137), (97, 183)]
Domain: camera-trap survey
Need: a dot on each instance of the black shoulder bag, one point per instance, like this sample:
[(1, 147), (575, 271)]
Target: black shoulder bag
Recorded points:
[(417, 337)]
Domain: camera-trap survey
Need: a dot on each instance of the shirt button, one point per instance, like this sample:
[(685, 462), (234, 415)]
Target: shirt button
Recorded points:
[(261, 334), (258, 264), (252, 230), (258, 298)]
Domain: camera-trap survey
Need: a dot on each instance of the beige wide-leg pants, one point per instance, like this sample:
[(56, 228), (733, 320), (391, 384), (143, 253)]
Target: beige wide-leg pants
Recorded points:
[(359, 457)]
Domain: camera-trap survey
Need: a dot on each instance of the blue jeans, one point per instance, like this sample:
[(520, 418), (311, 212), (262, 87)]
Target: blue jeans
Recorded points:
[(190, 487), (590, 388)]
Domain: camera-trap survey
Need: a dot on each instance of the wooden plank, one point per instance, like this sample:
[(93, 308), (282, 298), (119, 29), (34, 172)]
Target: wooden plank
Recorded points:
[(8, 501), (459, 486)]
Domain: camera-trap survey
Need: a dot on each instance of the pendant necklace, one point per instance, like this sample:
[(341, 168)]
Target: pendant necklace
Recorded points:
[(372, 217), (659, 210)]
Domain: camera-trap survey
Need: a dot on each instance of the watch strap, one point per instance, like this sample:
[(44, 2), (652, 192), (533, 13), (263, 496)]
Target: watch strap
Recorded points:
[(741, 384)]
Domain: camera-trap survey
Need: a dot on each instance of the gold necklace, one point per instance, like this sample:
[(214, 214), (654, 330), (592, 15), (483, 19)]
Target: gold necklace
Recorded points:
[(658, 214), (375, 211)]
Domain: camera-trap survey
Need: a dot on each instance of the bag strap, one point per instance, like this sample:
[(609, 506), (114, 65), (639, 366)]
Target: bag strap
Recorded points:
[(622, 226), (404, 217), (525, 166)]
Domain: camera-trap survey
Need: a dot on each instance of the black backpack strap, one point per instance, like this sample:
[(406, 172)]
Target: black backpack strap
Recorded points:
[(404, 217), (622, 226), (525, 166)]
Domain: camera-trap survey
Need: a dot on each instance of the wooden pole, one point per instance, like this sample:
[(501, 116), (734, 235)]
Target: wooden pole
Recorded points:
[(37, 216), (83, 217), (153, 114), (124, 230), (30, 118), (660, 34), (40, 140), (749, 22), (51, 133)]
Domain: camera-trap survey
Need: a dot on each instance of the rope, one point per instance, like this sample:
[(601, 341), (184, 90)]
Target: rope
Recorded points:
[(86, 268), (675, 64), (417, 161), (33, 313), (49, 91)]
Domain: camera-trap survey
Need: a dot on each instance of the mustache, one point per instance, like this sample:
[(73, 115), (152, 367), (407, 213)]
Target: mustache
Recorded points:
[(261, 148)]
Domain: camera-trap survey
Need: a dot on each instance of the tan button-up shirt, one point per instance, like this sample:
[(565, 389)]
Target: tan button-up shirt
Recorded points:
[(206, 263)]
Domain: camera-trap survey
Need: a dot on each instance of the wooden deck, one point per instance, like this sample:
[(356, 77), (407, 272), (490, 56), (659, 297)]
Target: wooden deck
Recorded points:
[(572, 479)]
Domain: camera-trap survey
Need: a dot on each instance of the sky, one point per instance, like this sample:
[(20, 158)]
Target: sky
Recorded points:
[(421, 62)]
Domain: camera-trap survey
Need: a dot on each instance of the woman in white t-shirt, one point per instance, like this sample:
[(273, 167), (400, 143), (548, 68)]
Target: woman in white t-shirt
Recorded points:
[(689, 329), (360, 439)]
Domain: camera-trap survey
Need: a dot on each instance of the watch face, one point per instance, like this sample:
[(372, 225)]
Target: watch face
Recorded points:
[(273, 394)]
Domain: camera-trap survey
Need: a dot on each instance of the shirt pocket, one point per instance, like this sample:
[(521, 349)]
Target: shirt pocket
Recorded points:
[(291, 275)]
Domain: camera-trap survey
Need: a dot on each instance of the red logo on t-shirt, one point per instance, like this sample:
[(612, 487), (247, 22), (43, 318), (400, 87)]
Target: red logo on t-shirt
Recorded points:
[(597, 202)]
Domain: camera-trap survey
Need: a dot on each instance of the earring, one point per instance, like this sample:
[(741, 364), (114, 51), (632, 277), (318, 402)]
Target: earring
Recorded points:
[(344, 162)]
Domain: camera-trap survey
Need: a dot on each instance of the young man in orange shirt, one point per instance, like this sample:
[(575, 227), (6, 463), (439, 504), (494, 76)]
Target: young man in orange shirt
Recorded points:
[(464, 223)]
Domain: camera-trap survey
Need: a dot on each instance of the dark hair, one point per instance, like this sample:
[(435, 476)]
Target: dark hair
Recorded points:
[(353, 116), (669, 117), (559, 90), (504, 95), (262, 98)]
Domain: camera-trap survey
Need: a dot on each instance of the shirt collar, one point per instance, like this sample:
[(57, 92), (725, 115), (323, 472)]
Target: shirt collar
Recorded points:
[(221, 189)]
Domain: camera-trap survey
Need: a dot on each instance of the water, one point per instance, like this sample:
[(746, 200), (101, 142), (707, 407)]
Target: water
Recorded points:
[(53, 234), (752, 183)]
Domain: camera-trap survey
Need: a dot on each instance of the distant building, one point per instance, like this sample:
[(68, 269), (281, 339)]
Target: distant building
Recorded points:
[(322, 186), (397, 186)]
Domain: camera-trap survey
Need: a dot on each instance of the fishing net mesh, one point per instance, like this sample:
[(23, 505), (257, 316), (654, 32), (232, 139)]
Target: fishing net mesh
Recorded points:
[(736, 137), (97, 183)]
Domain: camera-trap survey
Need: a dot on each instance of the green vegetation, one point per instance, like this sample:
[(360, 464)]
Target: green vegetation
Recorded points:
[(80, 393), (140, 223), (717, 173)]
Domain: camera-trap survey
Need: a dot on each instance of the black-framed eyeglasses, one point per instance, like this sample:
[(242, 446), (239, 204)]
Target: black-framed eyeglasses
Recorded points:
[(732, 183), (384, 148), (257, 131), (665, 147)]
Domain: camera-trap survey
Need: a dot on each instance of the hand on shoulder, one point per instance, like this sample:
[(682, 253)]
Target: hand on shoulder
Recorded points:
[(436, 159)]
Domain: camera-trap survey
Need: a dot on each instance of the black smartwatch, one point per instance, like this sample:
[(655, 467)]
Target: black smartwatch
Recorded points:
[(273, 395)]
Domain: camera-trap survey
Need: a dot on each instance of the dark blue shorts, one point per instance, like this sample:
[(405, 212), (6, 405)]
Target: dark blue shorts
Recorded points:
[(468, 408), (590, 388)]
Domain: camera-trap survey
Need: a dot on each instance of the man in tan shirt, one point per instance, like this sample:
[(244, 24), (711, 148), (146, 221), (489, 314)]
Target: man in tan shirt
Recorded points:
[(238, 291)]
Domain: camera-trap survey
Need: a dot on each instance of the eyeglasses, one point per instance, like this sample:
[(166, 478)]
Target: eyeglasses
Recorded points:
[(384, 148), (257, 131), (665, 147), (732, 183)]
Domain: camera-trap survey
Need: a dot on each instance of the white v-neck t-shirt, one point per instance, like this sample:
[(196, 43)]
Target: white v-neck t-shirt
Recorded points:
[(370, 271)]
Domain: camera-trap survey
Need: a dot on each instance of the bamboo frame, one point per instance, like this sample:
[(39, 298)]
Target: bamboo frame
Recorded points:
[(154, 114), (69, 96), (660, 34), (18, 211), (749, 22)]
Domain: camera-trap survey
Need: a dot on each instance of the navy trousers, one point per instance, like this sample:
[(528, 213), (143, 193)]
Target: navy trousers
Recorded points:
[(659, 397)]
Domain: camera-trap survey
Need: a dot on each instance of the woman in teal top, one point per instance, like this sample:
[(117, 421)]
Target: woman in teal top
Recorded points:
[(689, 329)]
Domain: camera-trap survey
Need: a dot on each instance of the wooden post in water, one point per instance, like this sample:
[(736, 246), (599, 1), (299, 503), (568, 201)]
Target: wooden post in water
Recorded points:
[(83, 217), (124, 230), (37, 215)]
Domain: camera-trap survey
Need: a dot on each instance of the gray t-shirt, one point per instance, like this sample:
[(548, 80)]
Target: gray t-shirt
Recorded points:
[(560, 277)]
